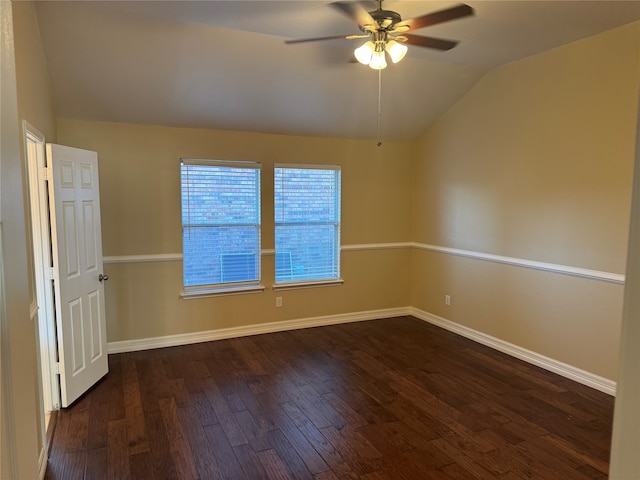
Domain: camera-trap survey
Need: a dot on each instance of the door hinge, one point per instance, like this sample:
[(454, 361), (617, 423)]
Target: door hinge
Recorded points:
[(50, 273), (45, 173), (55, 368)]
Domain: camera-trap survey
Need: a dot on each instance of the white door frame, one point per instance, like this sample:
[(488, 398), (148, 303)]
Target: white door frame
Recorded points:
[(6, 402), (43, 267)]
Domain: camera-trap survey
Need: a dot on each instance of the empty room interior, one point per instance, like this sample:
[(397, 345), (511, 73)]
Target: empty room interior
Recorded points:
[(479, 202)]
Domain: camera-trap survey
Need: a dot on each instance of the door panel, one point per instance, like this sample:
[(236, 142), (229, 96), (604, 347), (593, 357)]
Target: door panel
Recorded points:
[(89, 236), (95, 323), (77, 258), (69, 240), (75, 332)]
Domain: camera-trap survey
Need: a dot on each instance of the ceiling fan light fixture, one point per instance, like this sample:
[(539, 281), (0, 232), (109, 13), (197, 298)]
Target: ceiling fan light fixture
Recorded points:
[(396, 50), (378, 61), (364, 53)]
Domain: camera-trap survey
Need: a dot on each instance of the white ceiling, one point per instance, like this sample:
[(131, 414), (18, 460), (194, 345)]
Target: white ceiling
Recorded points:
[(224, 64)]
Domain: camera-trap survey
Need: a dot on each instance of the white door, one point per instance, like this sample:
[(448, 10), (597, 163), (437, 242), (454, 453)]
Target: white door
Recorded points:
[(77, 258)]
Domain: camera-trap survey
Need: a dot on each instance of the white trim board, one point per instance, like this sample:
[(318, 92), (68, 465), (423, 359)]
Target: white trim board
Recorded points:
[(599, 275), (555, 366), (42, 463), (522, 262), (177, 257), (568, 371), (154, 257), (244, 331), (375, 246)]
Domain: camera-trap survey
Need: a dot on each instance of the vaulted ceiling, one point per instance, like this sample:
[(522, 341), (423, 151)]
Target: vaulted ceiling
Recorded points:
[(224, 64)]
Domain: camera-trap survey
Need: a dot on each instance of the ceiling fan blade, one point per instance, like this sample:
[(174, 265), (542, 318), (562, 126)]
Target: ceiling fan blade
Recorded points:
[(320, 39), (357, 13), (429, 42), (459, 11)]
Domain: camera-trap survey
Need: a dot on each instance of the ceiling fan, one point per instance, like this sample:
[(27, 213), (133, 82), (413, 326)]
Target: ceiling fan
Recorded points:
[(386, 31)]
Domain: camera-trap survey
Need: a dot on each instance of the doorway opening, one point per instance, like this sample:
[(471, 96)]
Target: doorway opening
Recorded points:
[(43, 270)]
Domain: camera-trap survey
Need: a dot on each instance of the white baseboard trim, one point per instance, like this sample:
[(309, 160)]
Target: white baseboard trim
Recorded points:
[(244, 331), (568, 371)]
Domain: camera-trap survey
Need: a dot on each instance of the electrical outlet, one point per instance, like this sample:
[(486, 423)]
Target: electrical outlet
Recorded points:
[(447, 299), (278, 301)]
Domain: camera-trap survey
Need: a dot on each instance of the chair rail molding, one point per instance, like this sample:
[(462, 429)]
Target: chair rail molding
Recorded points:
[(599, 275), (522, 262)]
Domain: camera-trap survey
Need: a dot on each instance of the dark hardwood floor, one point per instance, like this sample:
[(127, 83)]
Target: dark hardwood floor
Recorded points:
[(385, 399)]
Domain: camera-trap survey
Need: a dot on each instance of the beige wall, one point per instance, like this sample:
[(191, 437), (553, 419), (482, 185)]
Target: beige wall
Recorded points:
[(535, 162), (35, 103), (25, 96), (140, 202)]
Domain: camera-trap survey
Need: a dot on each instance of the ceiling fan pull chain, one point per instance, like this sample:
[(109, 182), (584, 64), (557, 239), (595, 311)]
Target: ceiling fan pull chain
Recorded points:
[(379, 144)]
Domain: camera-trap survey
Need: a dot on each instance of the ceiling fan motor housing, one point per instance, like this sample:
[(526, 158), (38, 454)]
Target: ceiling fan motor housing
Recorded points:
[(385, 20)]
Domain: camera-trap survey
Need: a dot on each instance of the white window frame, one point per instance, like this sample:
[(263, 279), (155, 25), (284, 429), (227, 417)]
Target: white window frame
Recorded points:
[(337, 280), (226, 288)]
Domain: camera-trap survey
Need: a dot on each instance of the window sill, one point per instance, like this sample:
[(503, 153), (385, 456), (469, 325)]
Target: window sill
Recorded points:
[(321, 283), (215, 292)]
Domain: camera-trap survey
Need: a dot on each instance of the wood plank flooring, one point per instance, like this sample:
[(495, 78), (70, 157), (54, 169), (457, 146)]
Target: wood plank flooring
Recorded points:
[(386, 399)]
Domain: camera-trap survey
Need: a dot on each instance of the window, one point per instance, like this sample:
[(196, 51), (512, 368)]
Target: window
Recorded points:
[(307, 223), (220, 224)]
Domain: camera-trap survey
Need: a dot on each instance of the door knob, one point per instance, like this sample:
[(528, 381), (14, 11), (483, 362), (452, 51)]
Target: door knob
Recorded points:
[(102, 277)]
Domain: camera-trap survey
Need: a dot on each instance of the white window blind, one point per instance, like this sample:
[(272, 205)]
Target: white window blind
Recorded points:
[(307, 223), (220, 223)]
